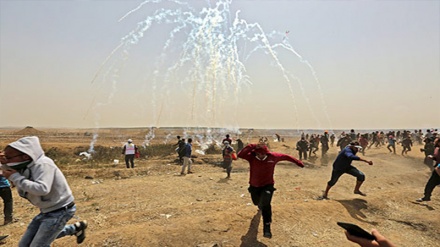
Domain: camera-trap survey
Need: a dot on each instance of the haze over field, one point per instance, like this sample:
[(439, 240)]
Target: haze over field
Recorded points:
[(230, 64)]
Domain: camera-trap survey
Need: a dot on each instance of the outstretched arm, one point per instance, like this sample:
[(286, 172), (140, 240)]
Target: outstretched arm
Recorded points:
[(286, 157)]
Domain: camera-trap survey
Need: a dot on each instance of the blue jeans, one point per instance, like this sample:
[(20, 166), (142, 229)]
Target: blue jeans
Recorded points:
[(46, 227)]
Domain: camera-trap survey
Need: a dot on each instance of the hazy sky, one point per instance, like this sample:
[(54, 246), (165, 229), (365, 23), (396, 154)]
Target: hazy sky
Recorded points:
[(250, 64)]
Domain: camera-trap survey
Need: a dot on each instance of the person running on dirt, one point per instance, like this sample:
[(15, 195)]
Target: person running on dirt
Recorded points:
[(39, 180), (332, 139), (434, 180), (342, 165), (406, 144), (302, 146), (261, 181), (363, 142), (343, 142), (374, 139), (324, 143), (428, 149), (391, 143), (314, 145), (228, 154)]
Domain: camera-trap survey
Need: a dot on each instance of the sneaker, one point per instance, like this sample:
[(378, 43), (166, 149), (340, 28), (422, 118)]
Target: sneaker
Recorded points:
[(190, 172), (320, 198), (80, 231), (423, 200), (266, 231)]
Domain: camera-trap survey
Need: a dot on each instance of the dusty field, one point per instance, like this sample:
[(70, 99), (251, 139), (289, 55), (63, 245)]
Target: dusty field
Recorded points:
[(152, 205)]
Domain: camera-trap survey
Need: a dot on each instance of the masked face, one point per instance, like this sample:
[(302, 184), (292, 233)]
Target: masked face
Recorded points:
[(12, 157)]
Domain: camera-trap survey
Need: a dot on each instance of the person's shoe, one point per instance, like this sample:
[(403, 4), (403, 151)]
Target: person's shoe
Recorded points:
[(80, 231), (423, 200), (182, 174), (7, 221), (3, 237), (360, 193), (322, 198), (266, 231), (190, 172)]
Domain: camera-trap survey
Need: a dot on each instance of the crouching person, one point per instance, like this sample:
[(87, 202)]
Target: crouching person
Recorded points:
[(42, 183)]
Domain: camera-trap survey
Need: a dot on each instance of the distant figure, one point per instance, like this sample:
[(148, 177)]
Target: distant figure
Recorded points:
[(187, 157), (363, 142), (302, 146), (240, 145), (228, 155), (428, 149), (261, 182), (41, 182), (278, 137), (391, 143), (406, 144), (342, 165), (6, 195), (324, 143), (129, 150), (181, 150), (314, 145), (180, 145), (343, 142), (227, 139), (434, 180), (353, 135), (332, 139)]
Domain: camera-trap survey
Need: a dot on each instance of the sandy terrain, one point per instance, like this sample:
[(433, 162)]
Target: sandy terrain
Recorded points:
[(152, 205)]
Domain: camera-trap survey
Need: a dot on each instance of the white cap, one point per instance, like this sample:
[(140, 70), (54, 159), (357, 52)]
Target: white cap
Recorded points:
[(129, 140)]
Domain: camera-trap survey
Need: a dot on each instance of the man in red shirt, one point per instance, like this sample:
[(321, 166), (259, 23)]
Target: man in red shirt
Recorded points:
[(261, 182)]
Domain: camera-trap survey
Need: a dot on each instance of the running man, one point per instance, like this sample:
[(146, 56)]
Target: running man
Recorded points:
[(342, 165)]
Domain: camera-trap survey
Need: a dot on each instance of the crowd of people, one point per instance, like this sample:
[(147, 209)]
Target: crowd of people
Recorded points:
[(309, 144), (39, 180)]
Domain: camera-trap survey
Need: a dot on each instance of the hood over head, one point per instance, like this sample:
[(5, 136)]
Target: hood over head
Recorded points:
[(29, 145)]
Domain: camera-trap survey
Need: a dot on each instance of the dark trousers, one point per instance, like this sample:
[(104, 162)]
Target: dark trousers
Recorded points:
[(302, 153), (6, 195), (262, 197), (433, 181), (336, 174), (129, 158)]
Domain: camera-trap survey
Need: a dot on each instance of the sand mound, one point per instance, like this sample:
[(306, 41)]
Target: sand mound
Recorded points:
[(29, 131)]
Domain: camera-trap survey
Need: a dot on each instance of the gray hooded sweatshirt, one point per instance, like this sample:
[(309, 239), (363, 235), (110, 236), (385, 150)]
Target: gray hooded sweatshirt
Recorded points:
[(41, 182)]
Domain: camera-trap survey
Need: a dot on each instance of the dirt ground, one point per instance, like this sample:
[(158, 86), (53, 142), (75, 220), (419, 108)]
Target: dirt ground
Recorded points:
[(152, 205)]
